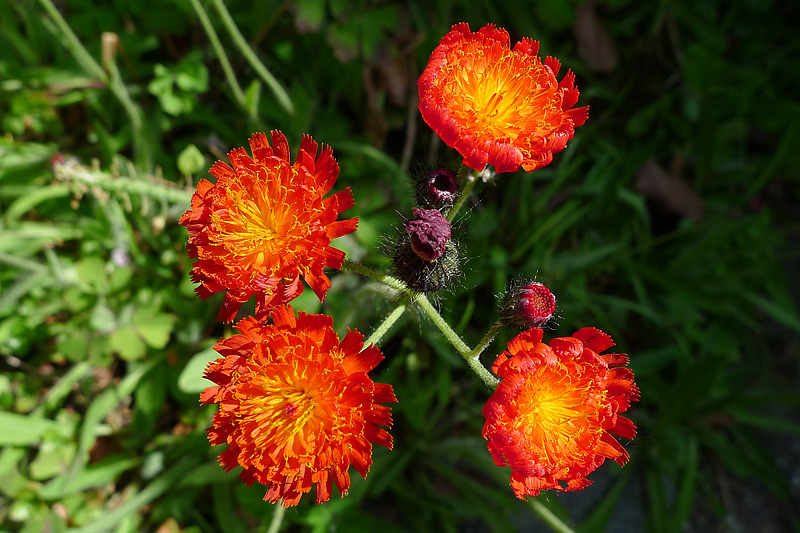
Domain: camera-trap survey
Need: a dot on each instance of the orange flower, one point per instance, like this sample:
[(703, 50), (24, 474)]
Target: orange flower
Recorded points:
[(552, 416), (297, 407), (264, 223), (498, 105)]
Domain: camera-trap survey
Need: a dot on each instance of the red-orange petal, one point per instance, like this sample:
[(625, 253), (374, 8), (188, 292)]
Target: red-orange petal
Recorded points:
[(296, 405), (265, 223), (552, 417), (497, 105)]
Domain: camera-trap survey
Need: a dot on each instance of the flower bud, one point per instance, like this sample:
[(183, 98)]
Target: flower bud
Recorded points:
[(437, 189), (527, 304), (425, 257), (429, 232)]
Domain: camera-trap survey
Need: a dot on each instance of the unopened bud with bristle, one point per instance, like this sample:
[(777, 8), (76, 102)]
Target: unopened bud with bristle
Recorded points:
[(424, 256), (437, 188), (527, 304), (429, 232)]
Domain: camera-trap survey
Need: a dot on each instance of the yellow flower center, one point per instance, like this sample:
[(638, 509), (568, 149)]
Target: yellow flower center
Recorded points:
[(506, 93), (557, 412), (268, 220)]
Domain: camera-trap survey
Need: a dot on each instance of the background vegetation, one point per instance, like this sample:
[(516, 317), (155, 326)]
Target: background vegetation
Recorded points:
[(670, 221)]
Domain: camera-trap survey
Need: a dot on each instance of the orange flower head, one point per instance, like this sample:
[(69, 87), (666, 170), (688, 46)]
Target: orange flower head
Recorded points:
[(497, 105), (553, 415), (264, 223), (296, 406)]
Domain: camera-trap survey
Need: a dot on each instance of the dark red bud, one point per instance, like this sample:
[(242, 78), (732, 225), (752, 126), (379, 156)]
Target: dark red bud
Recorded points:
[(438, 188), (429, 232)]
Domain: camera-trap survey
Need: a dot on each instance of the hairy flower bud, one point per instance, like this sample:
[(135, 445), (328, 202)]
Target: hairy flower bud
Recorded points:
[(429, 232), (437, 189), (526, 304), (425, 257)]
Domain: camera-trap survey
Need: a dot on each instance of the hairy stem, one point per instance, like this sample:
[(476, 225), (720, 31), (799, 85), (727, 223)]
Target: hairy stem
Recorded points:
[(452, 337), (471, 180), (371, 273), (472, 357), (548, 517), (277, 518), (149, 187), (388, 322)]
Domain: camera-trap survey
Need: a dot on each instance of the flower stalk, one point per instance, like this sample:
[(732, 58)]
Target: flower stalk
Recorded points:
[(547, 516), (471, 356), (470, 179), (277, 518), (388, 322)]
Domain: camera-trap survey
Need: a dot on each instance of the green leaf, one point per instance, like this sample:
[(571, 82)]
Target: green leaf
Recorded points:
[(92, 271), (38, 195), (309, 14), (156, 488), (206, 474), (103, 319), (598, 519), (252, 96), (75, 346), (686, 490), (780, 311), (11, 480), (107, 400), (54, 457), (120, 278), (191, 379), (162, 84), (93, 475), (127, 343), (192, 74), (150, 394), (191, 161), (154, 328), (21, 430)]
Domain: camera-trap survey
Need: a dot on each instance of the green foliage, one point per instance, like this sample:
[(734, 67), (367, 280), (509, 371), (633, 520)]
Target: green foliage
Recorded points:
[(103, 341)]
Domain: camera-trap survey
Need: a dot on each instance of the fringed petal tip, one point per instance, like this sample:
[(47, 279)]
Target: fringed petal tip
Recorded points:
[(296, 406), (263, 190), (568, 400), (466, 88)]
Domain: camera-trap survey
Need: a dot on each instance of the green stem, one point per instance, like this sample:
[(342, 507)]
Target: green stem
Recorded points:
[(252, 58), (82, 56), (141, 148), (487, 339), (472, 357), (113, 79), (451, 336), (388, 322), (370, 272), (238, 94), (21, 262), (277, 518), (548, 517), (472, 360), (61, 389), (462, 198), (148, 187)]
